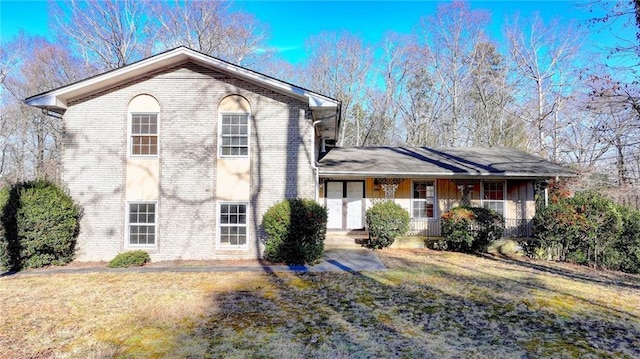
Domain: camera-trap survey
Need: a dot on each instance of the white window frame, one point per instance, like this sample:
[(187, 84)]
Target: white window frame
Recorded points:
[(128, 243), (504, 196), (131, 135), (434, 198), (220, 136), (220, 225)]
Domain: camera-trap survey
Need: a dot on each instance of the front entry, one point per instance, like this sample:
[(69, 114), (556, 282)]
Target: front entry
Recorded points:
[(345, 204)]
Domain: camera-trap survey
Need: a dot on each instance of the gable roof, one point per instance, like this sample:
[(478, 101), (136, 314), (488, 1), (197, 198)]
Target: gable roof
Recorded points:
[(56, 100), (457, 162)]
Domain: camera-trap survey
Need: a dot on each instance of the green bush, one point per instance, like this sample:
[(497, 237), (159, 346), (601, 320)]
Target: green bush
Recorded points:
[(386, 220), (623, 253), (9, 252), (40, 225), (129, 259), (296, 229), (581, 229), (557, 229), (456, 229), (468, 229)]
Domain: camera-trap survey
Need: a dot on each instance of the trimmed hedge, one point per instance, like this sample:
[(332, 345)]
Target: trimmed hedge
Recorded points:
[(136, 258), (386, 220), (470, 229), (40, 224), (296, 229)]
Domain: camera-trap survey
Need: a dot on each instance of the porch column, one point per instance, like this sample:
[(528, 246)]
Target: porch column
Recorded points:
[(465, 187), (541, 193)]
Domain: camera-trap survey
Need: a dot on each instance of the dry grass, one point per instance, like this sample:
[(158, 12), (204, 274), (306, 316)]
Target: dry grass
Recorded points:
[(429, 304)]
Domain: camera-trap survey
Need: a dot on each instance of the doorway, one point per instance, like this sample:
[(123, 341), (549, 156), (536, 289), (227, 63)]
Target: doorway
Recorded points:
[(345, 204)]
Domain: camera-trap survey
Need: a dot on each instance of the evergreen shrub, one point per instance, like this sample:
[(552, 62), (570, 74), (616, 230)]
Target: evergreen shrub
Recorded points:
[(583, 229), (136, 258), (469, 229), (386, 220), (40, 224), (296, 229)]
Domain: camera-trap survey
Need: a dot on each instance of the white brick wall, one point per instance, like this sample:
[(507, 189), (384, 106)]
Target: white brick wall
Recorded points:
[(95, 154)]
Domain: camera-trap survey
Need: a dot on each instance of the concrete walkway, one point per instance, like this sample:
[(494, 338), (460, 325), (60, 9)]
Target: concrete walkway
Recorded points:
[(333, 260)]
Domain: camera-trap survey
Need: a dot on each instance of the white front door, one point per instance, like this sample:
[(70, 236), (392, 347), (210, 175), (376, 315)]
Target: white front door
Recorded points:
[(355, 192), (334, 205)]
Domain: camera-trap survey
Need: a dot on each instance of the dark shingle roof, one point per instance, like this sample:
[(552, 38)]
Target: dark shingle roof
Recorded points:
[(448, 162)]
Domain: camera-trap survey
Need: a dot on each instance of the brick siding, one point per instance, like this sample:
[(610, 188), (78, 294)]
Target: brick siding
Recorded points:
[(94, 161)]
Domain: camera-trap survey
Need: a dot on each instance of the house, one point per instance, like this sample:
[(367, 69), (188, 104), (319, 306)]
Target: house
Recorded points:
[(181, 154)]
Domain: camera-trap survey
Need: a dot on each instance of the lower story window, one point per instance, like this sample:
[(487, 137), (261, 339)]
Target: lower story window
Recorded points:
[(493, 196), (233, 224), (142, 224), (422, 201)]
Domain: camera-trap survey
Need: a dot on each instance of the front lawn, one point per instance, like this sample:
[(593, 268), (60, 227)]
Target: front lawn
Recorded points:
[(428, 304)]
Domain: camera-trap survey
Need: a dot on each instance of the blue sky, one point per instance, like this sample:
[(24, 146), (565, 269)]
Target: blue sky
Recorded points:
[(292, 22)]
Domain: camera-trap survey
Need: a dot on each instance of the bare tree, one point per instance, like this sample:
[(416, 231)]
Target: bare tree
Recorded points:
[(491, 124), (392, 67), (448, 53), (582, 145), (111, 33), (340, 65), (210, 27), (10, 55), (30, 138), (421, 108), (618, 123), (542, 58)]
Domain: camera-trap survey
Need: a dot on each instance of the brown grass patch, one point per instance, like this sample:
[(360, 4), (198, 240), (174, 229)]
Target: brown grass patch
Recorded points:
[(432, 304)]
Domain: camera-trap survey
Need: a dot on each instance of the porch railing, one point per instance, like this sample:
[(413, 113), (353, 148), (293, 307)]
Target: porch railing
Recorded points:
[(431, 227), (427, 227)]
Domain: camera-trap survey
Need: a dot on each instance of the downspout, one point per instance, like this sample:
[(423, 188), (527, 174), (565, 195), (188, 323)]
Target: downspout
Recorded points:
[(314, 162)]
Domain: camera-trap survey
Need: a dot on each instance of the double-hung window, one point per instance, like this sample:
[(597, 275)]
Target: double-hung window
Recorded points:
[(233, 224), (142, 224), (144, 134), (234, 135), (493, 195), (423, 200)]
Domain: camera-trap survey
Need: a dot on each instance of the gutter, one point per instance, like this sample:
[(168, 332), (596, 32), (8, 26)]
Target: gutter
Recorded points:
[(514, 175)]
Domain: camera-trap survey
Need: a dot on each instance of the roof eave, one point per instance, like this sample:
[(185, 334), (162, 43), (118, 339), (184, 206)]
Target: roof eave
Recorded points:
[(58, 98), (441, 174)]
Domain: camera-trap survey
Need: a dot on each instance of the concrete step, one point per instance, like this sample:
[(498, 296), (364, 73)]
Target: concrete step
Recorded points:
[(343, 239), (352, 239)]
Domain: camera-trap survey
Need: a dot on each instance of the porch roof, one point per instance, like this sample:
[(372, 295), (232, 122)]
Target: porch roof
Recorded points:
[(455, 162)]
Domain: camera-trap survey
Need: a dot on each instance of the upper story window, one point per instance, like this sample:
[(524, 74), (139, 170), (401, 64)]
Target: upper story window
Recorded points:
[(144, 134), (234, 127), (234, 133), (493, 195), (423, 199), (144, 126)]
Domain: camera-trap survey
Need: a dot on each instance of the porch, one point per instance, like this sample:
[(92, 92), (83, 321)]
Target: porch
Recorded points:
[(428, 182), (347, 201)]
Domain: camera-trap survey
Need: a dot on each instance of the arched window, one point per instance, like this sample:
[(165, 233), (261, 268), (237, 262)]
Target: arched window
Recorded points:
[(234, 118), (144, 112)]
